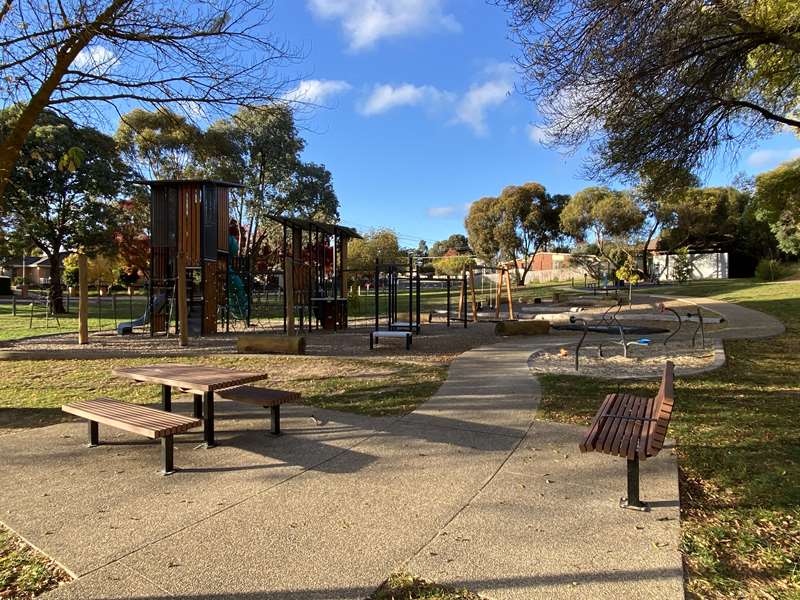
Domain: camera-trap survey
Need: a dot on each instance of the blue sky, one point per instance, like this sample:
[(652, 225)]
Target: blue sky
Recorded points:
[(419, 116)]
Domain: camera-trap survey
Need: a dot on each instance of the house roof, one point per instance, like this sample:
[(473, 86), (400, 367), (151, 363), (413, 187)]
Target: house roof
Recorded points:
[(32, 261)]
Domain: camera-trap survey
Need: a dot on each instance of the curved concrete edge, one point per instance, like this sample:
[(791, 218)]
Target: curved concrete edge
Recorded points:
[(741, 322), (717, 361)]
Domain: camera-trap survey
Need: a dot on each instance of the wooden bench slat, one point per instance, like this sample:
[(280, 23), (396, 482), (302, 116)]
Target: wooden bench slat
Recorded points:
[(632, 412), (257, 395), (613, 425), (143, 420), (587, 445), (137, 418)]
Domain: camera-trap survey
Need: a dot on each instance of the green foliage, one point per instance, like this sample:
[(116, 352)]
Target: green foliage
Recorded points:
[(610, 218), (629, 272), (455, 244), (518, 223), (777, 203), (452, 265), (378, 244), (682, 265), (59, 197), (769, 269), (704, 217), (158, 144), (649, 82)]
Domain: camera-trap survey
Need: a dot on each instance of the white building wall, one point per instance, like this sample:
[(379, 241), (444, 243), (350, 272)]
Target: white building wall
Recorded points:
[(713, 265)]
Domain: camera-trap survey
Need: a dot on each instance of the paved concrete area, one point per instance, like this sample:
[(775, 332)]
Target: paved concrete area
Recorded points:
[(469, 490)]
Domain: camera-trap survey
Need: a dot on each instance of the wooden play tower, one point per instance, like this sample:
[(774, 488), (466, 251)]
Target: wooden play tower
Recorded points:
[(189, 225)]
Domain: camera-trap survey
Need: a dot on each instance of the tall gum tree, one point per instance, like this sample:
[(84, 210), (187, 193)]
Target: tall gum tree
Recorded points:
[(645, 80), (62, 191), (77, 56)]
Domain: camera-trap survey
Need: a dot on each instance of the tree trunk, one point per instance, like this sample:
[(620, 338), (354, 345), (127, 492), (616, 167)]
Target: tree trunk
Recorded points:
[(645, 252), (56, 293)]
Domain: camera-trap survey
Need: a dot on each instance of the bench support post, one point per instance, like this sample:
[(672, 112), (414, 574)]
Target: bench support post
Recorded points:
[(94, 439), (632, 501), (166, 398), (198, 406), (275, 419), (208, 419), (167, 446)]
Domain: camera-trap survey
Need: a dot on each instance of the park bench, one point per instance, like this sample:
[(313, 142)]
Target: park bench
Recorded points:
[(265, 397), (134, 418), (633, 428), (375, 335)]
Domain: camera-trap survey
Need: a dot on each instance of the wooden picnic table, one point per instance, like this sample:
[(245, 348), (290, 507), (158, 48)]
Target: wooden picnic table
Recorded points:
[(202, 381)]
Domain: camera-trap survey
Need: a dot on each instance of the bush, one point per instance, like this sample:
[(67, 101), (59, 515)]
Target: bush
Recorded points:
[(682, 265), (769, 269)]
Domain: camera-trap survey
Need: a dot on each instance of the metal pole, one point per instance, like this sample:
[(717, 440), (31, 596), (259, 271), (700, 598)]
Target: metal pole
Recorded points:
[(377, 298), (448, 300), (410, 292)]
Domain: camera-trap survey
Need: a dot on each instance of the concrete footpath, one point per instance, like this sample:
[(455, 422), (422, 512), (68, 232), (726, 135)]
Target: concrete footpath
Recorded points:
[(467, 490)]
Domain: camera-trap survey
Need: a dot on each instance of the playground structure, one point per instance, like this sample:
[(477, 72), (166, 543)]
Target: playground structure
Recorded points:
[(389, 276), (313, 283), (190, 246)]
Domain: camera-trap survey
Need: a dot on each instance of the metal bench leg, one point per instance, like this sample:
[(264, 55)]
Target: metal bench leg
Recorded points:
[(371, 342), (208, 419), (166, 398), (408, 342), (94, 439), (632, 501), (275, 419), (198, 406), (167, 446)]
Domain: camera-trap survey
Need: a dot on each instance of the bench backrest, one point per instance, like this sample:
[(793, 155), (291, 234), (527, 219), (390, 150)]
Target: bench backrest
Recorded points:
[(662, 411)]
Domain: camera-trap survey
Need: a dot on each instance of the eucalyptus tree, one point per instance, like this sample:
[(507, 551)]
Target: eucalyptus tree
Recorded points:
[(77, 56), (62, 193), (659, 80)]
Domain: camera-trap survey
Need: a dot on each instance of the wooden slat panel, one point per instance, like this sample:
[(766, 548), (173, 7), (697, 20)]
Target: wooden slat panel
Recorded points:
[(249, 394), (638, 427), (635, 410), (587, 445), (142, 420), (190, 377), (609, 430)]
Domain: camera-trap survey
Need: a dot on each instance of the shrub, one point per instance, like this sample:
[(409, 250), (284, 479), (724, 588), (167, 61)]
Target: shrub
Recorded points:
[(769, 269), (682, 267)]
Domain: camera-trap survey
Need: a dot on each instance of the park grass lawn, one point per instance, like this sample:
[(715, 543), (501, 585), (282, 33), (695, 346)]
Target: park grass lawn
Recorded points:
[(32, 392), (402, 586), (14, 327), (24, 572), (738, 450)]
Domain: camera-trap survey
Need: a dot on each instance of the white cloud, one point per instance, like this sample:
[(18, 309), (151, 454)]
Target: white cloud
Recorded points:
[(365, 22), (537, 134), (438, 212), (472, 108), (316, 91), (95, 58), (764, 158), (386, 97)]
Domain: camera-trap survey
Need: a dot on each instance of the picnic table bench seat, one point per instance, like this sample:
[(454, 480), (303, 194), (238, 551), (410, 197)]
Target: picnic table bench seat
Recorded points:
[(134, 418), (265, 397), (633, 428), (374, 336)]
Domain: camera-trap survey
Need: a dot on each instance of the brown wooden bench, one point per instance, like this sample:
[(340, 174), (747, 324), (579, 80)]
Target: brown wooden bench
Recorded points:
[(258, 396), (134, 418), (633, 428)]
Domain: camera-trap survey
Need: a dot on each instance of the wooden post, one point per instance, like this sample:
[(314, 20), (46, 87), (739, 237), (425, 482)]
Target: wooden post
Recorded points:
[(183, 317), (510, 296), (498, 296), (288, 288), (83, 299), (474, 299)]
